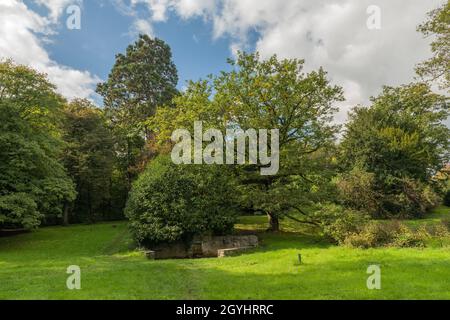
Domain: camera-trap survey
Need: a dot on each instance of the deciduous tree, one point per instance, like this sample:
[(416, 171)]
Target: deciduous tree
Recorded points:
[(402, 141), (268, 94), (438, 66), (33, 182)]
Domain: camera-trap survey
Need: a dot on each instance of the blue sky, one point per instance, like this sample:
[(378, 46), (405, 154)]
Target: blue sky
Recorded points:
[(105, 32), (332, 34)]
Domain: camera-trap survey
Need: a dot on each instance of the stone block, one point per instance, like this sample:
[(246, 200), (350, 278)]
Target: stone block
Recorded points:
[(222, 253)]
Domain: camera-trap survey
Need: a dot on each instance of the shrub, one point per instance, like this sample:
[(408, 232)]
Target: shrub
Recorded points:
[(431, 198), (441, 230), (338, 222), (446, 223), (387, 198), (374, 234), (357, 190), (409, 199), (406, 238), (171, 202)]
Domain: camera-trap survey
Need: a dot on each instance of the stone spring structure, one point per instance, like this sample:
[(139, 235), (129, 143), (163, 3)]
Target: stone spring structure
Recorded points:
[(204, 247)]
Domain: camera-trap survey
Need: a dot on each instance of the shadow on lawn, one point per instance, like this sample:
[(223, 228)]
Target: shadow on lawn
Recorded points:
[(253, 276), (334, 275), (269, 272)]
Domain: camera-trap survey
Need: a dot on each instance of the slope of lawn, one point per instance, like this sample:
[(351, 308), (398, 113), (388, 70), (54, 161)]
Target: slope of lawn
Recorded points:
[(434, 217), (33, 266)]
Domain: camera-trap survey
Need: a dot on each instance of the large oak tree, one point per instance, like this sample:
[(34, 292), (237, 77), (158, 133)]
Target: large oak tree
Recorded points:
[(268, 94)]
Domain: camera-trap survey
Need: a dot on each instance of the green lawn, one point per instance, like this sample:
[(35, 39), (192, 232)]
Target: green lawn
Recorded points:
[(434, 217), (33, 266)]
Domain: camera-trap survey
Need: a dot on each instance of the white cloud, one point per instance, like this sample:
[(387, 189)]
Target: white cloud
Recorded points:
[(22, 33), (141, 26), (159, 8), (328, 33), (186, 9), (57, 7)]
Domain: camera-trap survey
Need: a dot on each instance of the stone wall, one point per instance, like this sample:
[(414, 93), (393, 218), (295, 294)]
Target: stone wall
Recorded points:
[(202, 247), (210, 245), (176, 250)]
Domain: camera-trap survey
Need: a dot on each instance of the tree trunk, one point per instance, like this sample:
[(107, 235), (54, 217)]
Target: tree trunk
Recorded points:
[(274, 223), (66, 214), (90, 213), (110, 206)]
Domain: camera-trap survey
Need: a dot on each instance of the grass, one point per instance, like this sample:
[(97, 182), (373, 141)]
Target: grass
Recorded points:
[(33, 266), (436, 216)]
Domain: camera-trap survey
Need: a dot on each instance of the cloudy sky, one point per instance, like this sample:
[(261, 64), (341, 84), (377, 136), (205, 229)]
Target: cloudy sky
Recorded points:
[(203, 33)]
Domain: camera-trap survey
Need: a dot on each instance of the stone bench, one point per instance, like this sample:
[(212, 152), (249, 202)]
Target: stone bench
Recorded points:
[(222, 253), (211, 245)]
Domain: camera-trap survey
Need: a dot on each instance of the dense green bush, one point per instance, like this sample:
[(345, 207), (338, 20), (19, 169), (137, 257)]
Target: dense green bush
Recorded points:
[(171, 202), (395, 197), (338, 222), (409, 198), (357, 190)]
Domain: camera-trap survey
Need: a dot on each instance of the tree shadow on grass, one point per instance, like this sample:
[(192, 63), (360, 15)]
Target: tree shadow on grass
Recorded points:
[(35, 268), (271, 272), (403, 277)]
